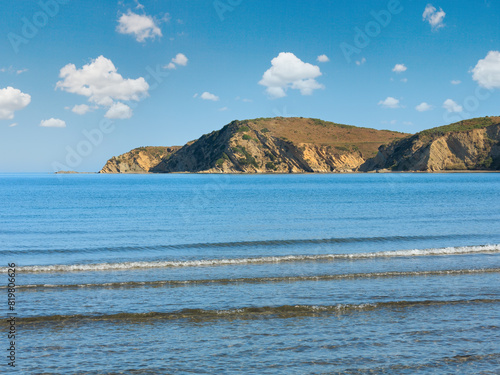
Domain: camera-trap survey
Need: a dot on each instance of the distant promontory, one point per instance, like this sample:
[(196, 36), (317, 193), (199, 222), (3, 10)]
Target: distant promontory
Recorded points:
[(305, 145)]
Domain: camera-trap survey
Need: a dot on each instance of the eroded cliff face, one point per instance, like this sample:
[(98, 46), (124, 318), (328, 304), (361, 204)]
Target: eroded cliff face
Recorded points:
[(475, 149), (279, 145), (139, 160), (247, 147)]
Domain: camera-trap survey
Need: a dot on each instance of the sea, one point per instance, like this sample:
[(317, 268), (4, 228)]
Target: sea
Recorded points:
[(395, 273)]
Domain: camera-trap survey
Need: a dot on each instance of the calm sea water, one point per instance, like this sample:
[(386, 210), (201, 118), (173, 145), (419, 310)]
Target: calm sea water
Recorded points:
[(223, 274)]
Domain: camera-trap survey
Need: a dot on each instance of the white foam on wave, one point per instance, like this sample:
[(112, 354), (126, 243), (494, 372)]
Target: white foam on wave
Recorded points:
[(259, 260)]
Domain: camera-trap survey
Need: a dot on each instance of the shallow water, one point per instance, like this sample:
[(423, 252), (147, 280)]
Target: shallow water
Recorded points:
[(285, 274)]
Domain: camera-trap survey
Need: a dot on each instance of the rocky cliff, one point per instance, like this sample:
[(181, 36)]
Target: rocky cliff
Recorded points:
[(275, 145), (139, 160), (467, 145)]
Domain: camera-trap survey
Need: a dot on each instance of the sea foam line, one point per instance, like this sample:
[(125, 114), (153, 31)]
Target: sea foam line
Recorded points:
[(258, 260)]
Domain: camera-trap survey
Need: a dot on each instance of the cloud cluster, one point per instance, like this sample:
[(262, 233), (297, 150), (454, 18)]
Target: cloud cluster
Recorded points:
[(487, 71), (390, 102), (434, 17), (100, 82), (179, 59), (53, 123), (12, 100), (141, 27), (289, 72), (451, 106)]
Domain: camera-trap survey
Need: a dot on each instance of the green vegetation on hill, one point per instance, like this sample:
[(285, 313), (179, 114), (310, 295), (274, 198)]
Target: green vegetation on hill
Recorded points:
[(462, 126)]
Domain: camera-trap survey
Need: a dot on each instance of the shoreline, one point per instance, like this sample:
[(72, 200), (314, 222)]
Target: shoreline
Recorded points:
[(295, 173)]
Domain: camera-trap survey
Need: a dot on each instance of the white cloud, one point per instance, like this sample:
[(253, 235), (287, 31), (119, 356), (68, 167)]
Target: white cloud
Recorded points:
[(208, 96), (423, 107), (434, 17), (20, 71), (399, 68), (12, 125), (195, 95), (141, 26), (288, 71), (452, 106), (390, 102), (361, 62), (323, 58), (12, 100), (487, 71), (139, 5), (223, 109), (247, 100), (456, 82), (180, 59), (119, 111), (53, 123), (80, 109), (100, 82), (404, 80), (409, 123)]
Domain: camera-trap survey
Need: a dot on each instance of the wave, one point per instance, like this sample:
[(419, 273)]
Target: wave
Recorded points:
[(256, 280), (239, 244), (285, 311), (258, 260)]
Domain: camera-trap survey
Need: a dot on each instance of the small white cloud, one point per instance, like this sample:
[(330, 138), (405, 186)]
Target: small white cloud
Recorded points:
[(456, 82), (12, 125), (361, 62), (195, 95), (289, 72), (487, 71), (323, 58), (394, 122), (452, 106), (119, 111), (180, 59), (208, 96), (247, 100), (139, 5), (407, 123), (141, 27), (80, 109), (399, 68), (53, 123), (20, 71), (404, 80), (223, 109), (12, 100), (423, 107), (434, 17), (390, 102)]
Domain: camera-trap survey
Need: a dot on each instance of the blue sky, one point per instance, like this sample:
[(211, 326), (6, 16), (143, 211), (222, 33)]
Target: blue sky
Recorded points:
[(82, 81)]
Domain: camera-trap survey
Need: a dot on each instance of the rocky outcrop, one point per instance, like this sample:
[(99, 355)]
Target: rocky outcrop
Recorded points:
[(139, 160), (468, 145), (275, 145), (259, 146)]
